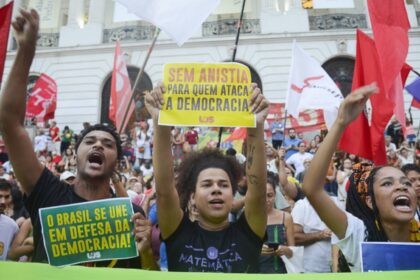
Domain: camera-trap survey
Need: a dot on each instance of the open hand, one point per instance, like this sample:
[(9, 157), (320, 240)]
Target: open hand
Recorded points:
[(355, 103)]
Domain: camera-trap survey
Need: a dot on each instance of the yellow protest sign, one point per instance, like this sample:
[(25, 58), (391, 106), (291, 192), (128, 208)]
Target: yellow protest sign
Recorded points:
[(207, 94)]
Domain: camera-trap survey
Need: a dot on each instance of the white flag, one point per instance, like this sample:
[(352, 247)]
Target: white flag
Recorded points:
[(178, 18), (310, 87)]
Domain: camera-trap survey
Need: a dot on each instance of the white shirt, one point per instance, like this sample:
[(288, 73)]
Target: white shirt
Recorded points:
[(297, 160), (350, 245), (40, 142), (391, 147), (404, 161), (8, 230), (272, 167), (317, 256), (146, 172)]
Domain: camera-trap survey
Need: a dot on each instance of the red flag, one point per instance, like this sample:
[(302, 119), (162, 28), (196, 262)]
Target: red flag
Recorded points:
[(120, 91), (238, 134), (365, 136), (390, 28), (415, 103), (405, 71), (5, 19), (42, 100)]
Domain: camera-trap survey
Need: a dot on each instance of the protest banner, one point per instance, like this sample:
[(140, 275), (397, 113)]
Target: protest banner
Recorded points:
[(388, 256), (42, 101), (89, 231), (308, 120), (207, 94)]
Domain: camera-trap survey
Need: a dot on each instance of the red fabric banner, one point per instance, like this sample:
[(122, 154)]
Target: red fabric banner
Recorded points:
[(120, 91), (5, 19), (390, 29), (365, 135), (308, 120), (42, 100)]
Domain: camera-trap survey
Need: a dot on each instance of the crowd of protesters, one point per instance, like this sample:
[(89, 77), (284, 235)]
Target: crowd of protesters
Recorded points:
[(289, 213), (200, 209)]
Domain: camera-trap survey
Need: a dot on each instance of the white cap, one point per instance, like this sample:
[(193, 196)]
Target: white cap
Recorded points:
[(65, 175)]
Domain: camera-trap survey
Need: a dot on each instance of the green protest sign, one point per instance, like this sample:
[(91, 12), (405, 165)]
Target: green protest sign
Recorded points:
[(89, 231)]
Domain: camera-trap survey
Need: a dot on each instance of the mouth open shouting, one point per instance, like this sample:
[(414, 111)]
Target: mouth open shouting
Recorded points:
[(403, 203), (96, 160)]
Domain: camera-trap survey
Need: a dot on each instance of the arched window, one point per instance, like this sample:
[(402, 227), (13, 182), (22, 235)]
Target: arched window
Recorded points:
[(340, 69), (143, 86)]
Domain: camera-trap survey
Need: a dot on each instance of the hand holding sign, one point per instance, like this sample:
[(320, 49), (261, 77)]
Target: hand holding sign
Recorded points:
[(142, 232), (154, 100), (259, 104), (206, 94), (88, 231)]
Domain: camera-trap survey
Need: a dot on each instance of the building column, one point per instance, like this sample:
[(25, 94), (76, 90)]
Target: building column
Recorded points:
[(76, 14), (278, 16), (96, 12), (79, 33), (93, 31)]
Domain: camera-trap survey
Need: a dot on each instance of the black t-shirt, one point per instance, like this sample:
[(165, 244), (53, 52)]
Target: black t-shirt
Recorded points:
[(233, 249), (50, 191)]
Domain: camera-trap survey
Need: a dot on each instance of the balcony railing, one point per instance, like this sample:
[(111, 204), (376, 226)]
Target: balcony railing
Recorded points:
[(229, 26), (129, 33), (337, 21)]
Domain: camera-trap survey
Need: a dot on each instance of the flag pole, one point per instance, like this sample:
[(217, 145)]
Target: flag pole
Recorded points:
[(284, 127), (414, 71), (139, 76), (418, 130), (238, 31)]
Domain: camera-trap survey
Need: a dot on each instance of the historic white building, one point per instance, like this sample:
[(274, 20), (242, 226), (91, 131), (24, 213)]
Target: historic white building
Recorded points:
[(77, 41)]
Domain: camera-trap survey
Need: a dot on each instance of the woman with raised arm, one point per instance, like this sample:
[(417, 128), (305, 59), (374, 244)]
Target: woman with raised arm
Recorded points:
[(385, 212), (209, 179)]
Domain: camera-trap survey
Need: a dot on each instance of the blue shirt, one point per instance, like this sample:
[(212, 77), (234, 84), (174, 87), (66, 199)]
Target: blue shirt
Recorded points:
[(291, 142), (277, 131)]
